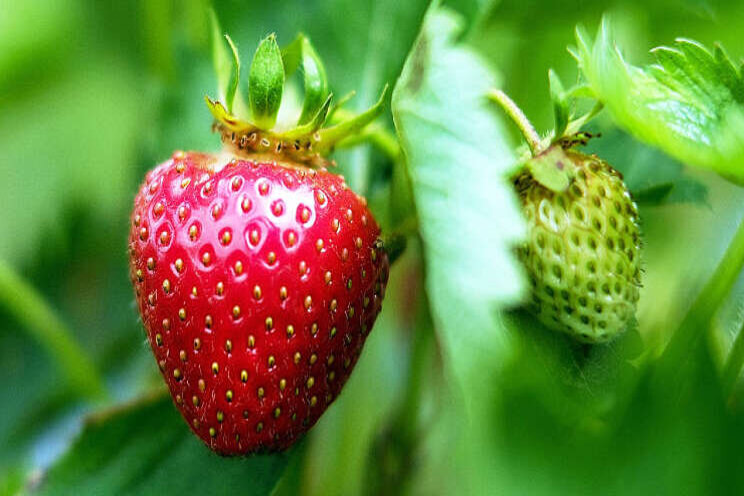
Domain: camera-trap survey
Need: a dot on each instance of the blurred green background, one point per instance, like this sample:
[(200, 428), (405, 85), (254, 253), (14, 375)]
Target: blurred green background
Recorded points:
[(93, 94)]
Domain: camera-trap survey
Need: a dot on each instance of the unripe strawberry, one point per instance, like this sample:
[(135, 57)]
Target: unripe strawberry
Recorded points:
[(582, 252), (258, 274)]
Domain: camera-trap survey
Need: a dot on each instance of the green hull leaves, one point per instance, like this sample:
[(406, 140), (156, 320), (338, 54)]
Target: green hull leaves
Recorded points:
[(266, 83), (252, 130)]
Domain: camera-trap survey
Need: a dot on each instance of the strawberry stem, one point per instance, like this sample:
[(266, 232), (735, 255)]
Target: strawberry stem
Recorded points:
[(698, 319), (28, 308), (517, 116), (734, 364)]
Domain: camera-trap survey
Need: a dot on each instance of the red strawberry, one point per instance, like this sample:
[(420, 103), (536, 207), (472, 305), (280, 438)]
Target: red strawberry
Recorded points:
[(258, 284), (258, 274)]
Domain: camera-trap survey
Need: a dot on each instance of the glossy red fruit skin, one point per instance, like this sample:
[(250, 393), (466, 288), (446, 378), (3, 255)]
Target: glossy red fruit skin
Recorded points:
[(257, 284)]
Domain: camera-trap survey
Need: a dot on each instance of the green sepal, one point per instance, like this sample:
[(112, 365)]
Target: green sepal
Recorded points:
[(301, 52), (330, 136), (552, 168), (580, 90), (316, 123), (226, 64), (266, 83), (226, 118), (560, 101), (338, 106), (235, 79), (575, 125), (309, 141)]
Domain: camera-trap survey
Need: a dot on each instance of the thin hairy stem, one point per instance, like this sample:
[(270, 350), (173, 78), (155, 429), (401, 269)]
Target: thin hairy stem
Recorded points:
[(515, 114)]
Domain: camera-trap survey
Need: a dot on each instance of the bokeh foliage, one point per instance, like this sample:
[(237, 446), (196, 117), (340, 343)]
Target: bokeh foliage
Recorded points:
[(456, 391)]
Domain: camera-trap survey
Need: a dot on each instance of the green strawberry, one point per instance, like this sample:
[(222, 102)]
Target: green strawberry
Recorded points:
[(582, 250)]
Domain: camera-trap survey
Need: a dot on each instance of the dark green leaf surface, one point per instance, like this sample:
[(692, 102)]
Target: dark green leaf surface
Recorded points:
[(145, 448)]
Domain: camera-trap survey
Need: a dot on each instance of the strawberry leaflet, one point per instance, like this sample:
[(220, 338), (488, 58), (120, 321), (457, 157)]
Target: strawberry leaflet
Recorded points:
[(690, 103)]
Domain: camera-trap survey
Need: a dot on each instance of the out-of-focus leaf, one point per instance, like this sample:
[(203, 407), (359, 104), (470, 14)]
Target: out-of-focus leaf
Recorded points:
[(11, 481), (40, 321), (34, 37), (690, 103), (653, 177), (145, 448), (79, 147), (457, 159)]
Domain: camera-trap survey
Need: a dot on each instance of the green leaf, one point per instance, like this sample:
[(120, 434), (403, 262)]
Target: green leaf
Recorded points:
[(266, 83), (457, 158), (560, 104), (690, 103), (146, 448), (652, 177), (301, 51)]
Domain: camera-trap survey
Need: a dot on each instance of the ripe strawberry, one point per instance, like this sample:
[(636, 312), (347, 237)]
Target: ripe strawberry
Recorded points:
[(258, 274), (582, 250), (258, 284)]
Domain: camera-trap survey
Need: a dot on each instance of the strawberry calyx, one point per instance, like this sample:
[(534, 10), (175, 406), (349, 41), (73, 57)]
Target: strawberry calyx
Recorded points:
[(247, 123), (546, 158)]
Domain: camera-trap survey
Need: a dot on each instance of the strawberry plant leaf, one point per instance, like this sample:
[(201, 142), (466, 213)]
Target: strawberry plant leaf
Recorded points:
[(145, 448), (690, 103), (266, 83), (652, 177), (457, 158)]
